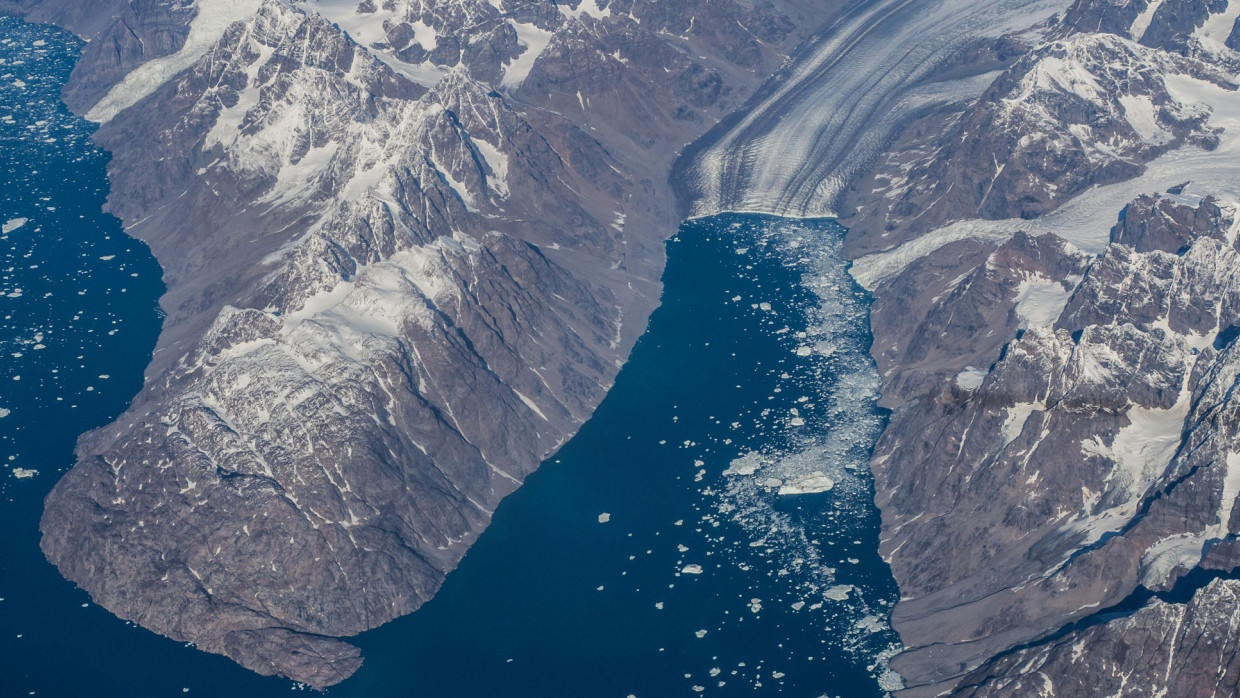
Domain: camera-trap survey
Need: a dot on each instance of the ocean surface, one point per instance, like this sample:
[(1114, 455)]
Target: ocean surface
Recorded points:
[(653, 556)]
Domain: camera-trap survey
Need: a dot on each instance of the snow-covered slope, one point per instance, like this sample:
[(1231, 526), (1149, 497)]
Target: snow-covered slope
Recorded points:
[(1066, 136)]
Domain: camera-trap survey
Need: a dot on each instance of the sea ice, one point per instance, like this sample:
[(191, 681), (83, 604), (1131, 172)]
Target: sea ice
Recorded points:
[(813, 483), (838, 593)]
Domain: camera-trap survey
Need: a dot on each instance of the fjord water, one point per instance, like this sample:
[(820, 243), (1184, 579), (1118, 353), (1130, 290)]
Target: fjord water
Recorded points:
[(652, 556)]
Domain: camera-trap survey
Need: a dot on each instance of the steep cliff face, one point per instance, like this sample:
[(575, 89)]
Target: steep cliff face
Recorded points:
[(407, 246), (1181, 648)]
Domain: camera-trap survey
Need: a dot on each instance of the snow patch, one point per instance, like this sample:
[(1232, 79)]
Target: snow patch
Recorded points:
[(535, 41), (1017, 415), (971, 378), (1141, 115), (1231, 489), (1142, 22), (1039, 301), (1142, 449), (587, 8)]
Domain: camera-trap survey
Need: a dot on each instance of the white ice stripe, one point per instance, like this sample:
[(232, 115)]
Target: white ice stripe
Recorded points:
[(1086, 220), (535, 41), (212, 19), (1142, 22)]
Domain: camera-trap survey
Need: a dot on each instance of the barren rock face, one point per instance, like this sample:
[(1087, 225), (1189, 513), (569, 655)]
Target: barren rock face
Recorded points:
[(1188, 645), (408, 246)]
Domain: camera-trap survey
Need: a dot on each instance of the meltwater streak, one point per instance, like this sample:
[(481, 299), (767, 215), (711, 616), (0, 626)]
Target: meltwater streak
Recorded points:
[(836, 106)]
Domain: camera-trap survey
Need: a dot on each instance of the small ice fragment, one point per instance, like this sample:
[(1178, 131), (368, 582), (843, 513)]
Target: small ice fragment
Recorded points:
[(804, 351), (604, 517), (691, 569), (24, 473), (871, 623), (813, 483), (747, 464), (838, 593), (700, 633), (12, 224)]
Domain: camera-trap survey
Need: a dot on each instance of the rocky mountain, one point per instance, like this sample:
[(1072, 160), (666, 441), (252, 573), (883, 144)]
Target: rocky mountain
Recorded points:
[(1053, 266), (407, 245), (1089, 457)]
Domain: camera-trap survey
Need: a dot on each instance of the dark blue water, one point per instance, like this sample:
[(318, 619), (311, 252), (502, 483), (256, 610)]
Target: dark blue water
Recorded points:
[(699, 581)]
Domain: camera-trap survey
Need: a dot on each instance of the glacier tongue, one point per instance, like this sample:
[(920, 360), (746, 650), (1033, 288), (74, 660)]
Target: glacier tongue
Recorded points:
[(846, 99), (210, 21)]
